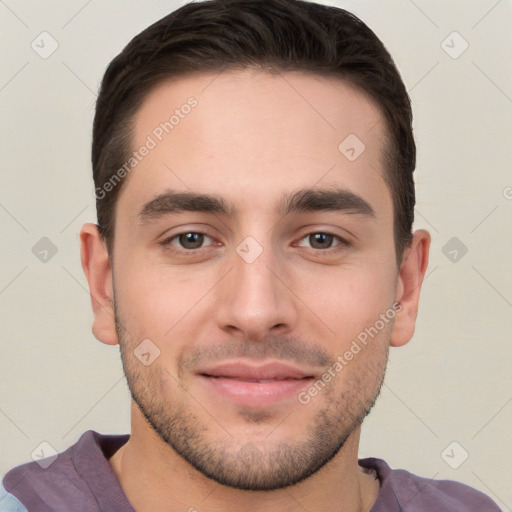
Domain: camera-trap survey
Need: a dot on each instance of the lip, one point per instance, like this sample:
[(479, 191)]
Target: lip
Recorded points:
[(244, 371), (255, 386)]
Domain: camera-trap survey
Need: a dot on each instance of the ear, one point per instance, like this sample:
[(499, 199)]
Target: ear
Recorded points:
[(96, 265), (412, 271)]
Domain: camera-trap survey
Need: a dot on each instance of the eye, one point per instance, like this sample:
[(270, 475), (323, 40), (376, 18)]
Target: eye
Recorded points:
[(324, 241), (187, 241)]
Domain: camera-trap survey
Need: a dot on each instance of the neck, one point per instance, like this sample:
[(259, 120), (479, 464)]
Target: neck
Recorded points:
[(154, 477)]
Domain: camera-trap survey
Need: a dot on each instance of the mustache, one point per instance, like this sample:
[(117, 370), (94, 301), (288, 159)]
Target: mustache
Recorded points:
[(271, 347), (285, 348)]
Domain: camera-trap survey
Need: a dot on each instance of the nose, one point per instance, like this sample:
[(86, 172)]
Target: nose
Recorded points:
[(254, 298)]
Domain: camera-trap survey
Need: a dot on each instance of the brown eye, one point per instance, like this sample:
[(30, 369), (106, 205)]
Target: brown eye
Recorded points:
[(321, 240), (324, 242), (187, 241), (191, 240)]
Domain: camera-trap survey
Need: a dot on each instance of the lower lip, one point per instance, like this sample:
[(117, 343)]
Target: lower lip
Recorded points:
[(255, 394)]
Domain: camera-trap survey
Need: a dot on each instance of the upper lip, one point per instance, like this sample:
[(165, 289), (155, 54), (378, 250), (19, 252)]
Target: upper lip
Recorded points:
[(243, 371)]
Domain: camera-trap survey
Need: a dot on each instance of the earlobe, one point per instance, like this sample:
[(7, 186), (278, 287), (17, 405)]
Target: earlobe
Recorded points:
[(97, 269), (410, 278)]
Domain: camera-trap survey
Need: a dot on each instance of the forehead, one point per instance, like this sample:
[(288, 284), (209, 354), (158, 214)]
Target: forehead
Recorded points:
[(251, 136)]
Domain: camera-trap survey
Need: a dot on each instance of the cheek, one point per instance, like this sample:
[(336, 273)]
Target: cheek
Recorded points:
[(155, 300), (348, 299)]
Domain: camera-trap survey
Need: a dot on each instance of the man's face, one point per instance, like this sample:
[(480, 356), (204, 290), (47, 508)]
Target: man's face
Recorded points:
[(257, 303)]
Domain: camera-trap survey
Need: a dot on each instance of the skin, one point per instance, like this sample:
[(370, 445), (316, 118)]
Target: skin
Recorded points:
[(252, 137)]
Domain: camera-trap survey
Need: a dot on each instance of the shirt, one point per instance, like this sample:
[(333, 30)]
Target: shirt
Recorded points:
[(80, 479)]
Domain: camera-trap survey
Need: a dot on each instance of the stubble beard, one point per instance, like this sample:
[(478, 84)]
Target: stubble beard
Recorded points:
[(241, 463)]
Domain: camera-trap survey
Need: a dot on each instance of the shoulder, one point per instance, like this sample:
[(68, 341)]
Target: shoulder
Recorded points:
[(54, 481), (412, 492)]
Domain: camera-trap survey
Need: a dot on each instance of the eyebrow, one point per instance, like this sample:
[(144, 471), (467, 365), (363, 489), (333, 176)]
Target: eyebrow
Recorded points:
[(302, 200)]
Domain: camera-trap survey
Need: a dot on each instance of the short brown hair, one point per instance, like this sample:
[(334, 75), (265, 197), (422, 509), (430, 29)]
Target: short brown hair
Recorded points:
[(284, 35)]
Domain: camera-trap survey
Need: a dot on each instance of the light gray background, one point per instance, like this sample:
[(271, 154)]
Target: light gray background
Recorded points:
[(451, 383)]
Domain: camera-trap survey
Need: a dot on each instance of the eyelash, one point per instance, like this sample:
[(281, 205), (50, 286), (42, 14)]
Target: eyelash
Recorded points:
[(343, 244)]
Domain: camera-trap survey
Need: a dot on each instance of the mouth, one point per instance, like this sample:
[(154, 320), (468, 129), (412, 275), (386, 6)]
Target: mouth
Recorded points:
[(255, 386)]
